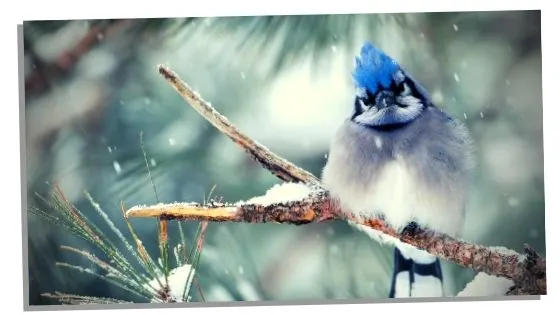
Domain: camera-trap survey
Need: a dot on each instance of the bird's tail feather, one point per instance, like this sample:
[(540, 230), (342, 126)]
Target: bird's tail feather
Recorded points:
[(416, 273)]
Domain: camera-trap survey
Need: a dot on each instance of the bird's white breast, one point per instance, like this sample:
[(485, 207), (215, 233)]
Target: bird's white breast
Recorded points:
[(397, 192)]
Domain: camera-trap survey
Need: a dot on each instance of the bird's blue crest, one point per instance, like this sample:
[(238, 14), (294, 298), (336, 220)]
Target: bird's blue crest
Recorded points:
[(374, 68)]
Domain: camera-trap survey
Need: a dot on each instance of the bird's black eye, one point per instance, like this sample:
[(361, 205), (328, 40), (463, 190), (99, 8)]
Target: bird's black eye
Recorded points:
[(365, 100), (403, 89), (364, 103)]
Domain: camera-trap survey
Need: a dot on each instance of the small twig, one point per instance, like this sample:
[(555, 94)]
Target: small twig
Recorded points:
[(527, 271), (277, 165)]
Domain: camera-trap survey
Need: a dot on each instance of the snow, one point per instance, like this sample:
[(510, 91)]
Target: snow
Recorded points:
[(117, 167), (486, 285), (178, 205), (375, 235), (504, 251), (456, 77), (178, 279), (280, 193)]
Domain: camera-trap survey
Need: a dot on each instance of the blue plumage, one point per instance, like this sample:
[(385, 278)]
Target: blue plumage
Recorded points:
[(400, 157), (374, 69)]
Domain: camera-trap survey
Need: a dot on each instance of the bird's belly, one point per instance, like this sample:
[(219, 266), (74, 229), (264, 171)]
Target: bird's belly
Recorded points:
[(399, 194), (393, 194), (393, 188)]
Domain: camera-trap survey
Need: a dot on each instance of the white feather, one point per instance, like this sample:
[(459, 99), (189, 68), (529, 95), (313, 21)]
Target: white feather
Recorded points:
[(426, 286), (402, 284), (419, 256), (398, 195)]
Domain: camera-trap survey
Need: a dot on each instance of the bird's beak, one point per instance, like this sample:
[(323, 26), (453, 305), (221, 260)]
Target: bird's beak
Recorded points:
[(383, 102)]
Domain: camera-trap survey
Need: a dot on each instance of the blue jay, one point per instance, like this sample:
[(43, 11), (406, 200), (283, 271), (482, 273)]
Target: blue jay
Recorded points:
[(400, 158)]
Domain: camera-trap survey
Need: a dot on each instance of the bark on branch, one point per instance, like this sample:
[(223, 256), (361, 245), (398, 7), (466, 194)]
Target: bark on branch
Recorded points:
[(528, 270)]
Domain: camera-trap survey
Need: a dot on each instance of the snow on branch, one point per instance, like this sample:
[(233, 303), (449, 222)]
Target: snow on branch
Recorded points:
[(302, 200), (486, 285)]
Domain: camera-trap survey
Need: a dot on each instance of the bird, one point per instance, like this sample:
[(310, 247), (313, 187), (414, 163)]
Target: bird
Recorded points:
[(399, 157)]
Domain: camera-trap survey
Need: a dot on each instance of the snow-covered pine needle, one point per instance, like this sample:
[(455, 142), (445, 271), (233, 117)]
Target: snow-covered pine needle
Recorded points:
[(163, 224), (179, 280), (112, 272), (82, 299), (119, 271), (105, 278), (141, 254), (198, 253), (121, 259), (192, 255), (181, 250), (77, 222)]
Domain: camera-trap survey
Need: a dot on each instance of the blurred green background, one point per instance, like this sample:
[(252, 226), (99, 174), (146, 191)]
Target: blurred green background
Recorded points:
[(92, 86)]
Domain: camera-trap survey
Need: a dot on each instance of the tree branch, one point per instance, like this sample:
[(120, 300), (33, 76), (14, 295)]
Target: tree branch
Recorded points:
[(528, 271), (283, 169)]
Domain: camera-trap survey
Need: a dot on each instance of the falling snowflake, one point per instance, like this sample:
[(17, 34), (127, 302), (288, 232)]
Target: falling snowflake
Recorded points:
[(117, 167)]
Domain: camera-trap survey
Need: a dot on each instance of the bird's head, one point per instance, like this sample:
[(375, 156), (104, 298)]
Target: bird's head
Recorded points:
[(386, 96)]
